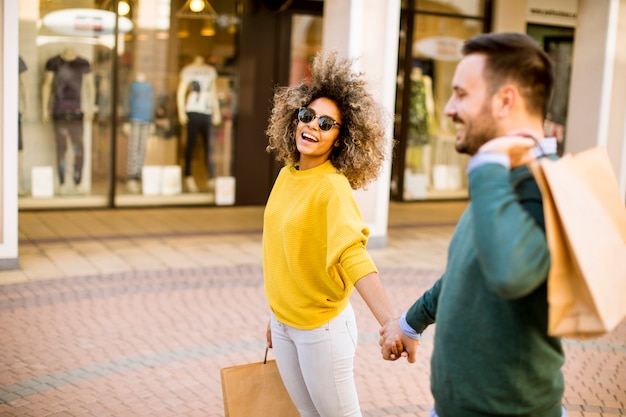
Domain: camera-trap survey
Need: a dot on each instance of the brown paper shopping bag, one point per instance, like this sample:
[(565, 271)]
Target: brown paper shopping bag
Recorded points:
[(255, 390), (586, 231)]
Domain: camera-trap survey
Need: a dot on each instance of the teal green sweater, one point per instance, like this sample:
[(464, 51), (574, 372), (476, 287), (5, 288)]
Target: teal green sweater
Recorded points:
[(492, 354)]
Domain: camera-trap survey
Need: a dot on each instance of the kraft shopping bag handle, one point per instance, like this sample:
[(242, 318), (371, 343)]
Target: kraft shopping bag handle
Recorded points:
[(541, 153), (527, 134)]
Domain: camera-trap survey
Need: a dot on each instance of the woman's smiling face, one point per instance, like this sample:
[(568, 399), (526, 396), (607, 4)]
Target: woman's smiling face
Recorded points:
[(315, 145)]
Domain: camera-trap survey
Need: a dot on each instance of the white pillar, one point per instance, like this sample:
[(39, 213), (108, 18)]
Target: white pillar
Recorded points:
[(368, 30), (597, 103), (8, 140)]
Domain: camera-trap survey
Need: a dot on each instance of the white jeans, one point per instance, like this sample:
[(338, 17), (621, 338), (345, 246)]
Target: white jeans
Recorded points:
[(317, 366)]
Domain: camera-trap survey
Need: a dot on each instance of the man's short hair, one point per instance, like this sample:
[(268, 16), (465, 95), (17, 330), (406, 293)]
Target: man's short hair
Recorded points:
[(517, 58)]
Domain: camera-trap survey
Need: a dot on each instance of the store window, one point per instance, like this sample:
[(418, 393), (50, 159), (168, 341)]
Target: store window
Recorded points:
[(431, 36), (306, 41), (558, 42), (125, 107)]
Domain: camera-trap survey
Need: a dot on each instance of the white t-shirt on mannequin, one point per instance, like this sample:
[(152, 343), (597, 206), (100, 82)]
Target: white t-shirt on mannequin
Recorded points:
[(197, 91)]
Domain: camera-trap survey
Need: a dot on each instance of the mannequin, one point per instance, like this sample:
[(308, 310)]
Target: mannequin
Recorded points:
[(420, 122), (141, 103), (67, 77), (23, 111), (198, 108)]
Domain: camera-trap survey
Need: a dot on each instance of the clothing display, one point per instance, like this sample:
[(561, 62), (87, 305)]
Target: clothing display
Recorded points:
[(141, 101), (200, 80), (140, 115), (198, 124), (72, 129), (68, 78), (198, 108), (64, 79), (137, 148)]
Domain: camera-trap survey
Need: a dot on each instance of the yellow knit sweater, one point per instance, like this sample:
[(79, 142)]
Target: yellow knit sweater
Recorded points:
[(314, 242)]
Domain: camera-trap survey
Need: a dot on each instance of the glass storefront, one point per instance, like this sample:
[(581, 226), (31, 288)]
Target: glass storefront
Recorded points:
[(558, 42), (149, 125), (431, 36), (154, 123), (306, 41)]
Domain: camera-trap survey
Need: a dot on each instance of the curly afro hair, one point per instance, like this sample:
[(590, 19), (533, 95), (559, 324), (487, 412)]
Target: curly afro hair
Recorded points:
[(363, 145)]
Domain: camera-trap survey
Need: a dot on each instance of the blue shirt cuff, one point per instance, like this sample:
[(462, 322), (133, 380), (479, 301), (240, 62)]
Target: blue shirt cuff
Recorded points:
[(483, 158), (546, 146), (407, 329)]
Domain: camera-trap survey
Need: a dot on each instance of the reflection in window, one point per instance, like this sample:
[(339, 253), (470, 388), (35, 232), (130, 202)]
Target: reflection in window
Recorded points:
[(306, 40), (558, 42), (431, 168)]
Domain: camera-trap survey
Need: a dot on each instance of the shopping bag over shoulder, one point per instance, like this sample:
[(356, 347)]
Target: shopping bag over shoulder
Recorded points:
[(585, 221), (255, 390)]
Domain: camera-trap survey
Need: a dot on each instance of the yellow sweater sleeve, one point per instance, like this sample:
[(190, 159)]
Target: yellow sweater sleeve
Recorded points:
[(314, 240)]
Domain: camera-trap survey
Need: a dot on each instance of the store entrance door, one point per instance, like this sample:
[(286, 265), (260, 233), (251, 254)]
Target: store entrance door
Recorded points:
[(275, 50)]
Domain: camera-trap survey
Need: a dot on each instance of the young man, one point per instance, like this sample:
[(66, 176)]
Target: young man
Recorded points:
[(492, 354)]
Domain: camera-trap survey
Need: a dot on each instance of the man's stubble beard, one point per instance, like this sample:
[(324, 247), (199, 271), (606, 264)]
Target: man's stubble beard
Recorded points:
[(481, 130)]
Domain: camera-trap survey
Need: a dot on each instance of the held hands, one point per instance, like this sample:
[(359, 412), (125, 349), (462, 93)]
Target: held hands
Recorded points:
[(516, 145), (395, 344)]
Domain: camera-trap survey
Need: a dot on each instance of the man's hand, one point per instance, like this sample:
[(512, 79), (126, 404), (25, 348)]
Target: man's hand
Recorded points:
[(516, 145), (393, 339)]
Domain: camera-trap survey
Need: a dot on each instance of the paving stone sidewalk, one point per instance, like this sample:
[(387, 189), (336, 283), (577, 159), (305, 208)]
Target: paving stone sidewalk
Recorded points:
[(149, 341)]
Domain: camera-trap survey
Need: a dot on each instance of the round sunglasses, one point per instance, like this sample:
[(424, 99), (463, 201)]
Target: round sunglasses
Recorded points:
[(307, 114)]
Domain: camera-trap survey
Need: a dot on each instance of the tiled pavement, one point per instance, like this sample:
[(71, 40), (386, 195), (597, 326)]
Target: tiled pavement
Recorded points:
[(133, 313)]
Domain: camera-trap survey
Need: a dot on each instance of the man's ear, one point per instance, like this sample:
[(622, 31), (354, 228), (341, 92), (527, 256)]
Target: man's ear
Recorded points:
[(505, 100)]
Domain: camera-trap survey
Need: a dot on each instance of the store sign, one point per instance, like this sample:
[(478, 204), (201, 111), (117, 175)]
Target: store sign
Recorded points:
[(86, 22), (442, 48), (553, 12)]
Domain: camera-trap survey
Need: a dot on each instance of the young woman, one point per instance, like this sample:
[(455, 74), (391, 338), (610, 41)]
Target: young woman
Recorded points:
[(330, 134)]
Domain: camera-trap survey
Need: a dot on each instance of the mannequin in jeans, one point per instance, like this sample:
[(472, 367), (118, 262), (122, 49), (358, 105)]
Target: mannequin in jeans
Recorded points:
[(140, 115), (68, 78), (198, 109)]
